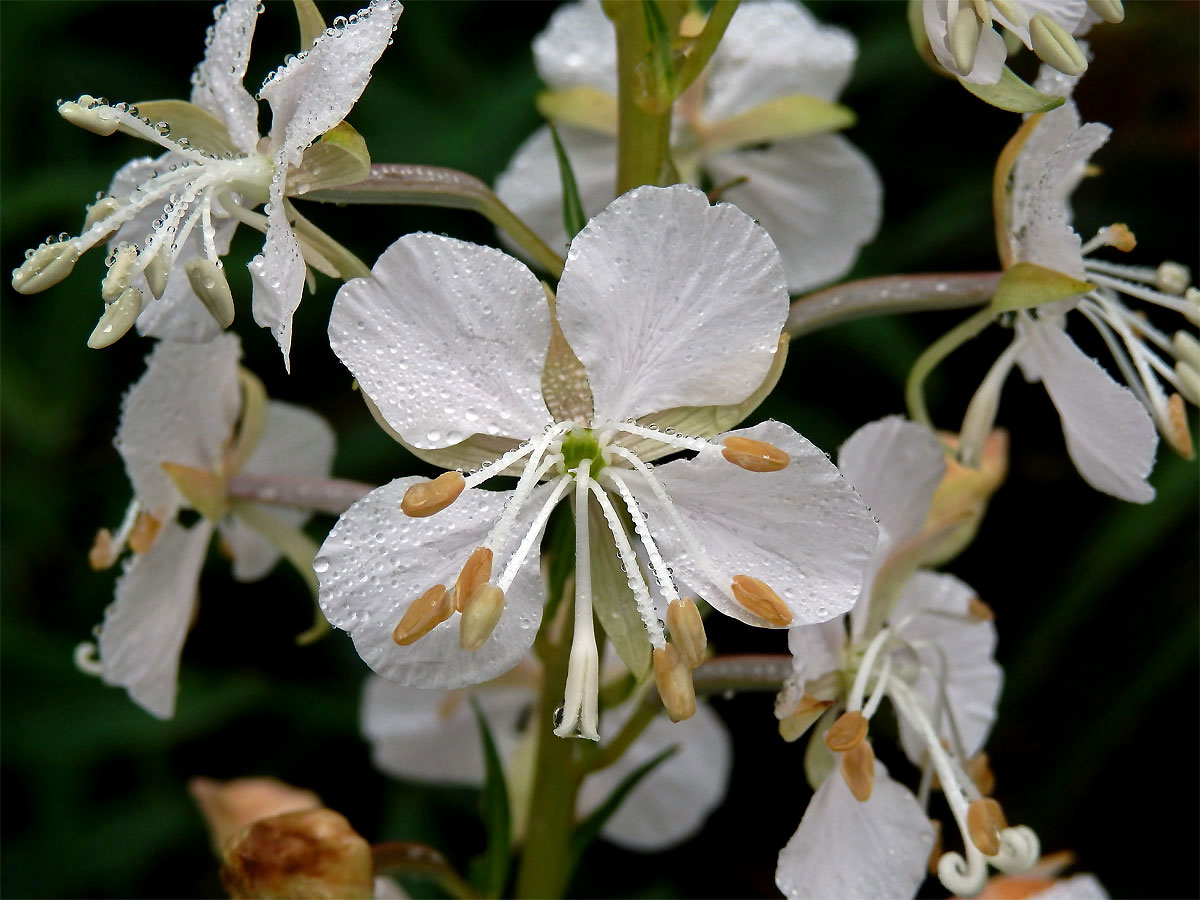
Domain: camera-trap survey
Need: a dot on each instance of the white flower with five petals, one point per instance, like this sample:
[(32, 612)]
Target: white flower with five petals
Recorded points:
[(814, 192), (665, 331)]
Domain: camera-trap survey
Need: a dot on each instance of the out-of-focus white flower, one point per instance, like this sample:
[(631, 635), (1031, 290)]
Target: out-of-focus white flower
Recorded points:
[(169, 220), (185, 430), (757, 124), (664, 333)]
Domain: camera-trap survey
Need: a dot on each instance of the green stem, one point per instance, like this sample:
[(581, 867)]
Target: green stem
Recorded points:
[(410, 858), (705, 43), (647, 710), (914, 388)]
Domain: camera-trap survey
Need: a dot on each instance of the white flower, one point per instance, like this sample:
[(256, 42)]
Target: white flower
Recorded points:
[(925, 643), (1109, 428), (664, 333), (817, 196), (963, 40), (170, 220), (185, 422), (432, 736)]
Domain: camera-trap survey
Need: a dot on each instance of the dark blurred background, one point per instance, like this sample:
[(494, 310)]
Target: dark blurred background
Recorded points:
[(1096, 599)]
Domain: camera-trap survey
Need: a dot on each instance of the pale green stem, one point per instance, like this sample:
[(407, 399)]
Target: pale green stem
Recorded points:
[(705, 43), (914, 388)]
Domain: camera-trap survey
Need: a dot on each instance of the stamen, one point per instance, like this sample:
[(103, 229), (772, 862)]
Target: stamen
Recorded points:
[(532, 535), (881, 683), (477, 571), (1111, 11), (87, 659), (144, 533), (754, 456), (673, 677), (1054, 46), (985, 821), (662, 574), (208, 281), (858, 771), (793, 726), (428, 497), (90, 116), (855, 699), (1013, 11), (116, 320), (687, 630), (1184, 305), (980, 417), (156, 268), (480, 615), (980, 611), (1172, 278), (100, 210), (104, 551), (670, 438), (980, 772), (847, 732), (47, 266), (1179, 432), (534, 469), (757, 597), (1189, 382), (581, 700), (423, 615), (963, 38)]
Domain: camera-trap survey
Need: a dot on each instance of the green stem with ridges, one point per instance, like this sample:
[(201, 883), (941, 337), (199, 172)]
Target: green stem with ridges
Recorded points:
[(914, 388)]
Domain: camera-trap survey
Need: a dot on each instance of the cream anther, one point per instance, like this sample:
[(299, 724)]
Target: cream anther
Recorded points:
[(673, 677), (1178, 432), (49, 264), (1172, 278), (428, 497), (480, 616), (100, 210), (1013, 11), (208, 281), (754, 456), (87, 114), (116, 280), (985, 821), (117, 319), (858, 771), (963, 36), (757, 597), (157, 269), (104, 550), (847, 732), (423, 615), (475, 572), (1112, 11), (1054, 46), (687, 630)]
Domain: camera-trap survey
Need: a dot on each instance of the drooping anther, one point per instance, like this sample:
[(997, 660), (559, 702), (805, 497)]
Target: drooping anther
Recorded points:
[(752, 455), (100, 210), (1172, 278), (1054, 46), (47, 266), (979, 770), (1180, 435), (1013, 11), (758, 598), (117, 319), (793, 726), (674, 680), (475, 572), (963, 36), (116, 279), (104, 550), (687, 630), (985, 821), (980, 611), (428, 497), (858, 771), (157, 270), (145, 532), (88, 114), (208, 281), (423, 615), (480, 616), (1112, 11), (847, 732)]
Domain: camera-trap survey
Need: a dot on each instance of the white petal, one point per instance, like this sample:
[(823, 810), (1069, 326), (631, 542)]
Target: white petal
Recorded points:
[(816, 650), (958, 658), (377, 560), (532, 189), (448, 339), (1070, 14), (773, 49), (278, 273), (144, 629), (819, 198), (803, 530), (668, 301), (425, 735), (671, 803), (316, 89), (182, 410), (217, 81), (896, 466), (1110, 436), (578, 47), (295, 442), (1077, 887), (844, 848)]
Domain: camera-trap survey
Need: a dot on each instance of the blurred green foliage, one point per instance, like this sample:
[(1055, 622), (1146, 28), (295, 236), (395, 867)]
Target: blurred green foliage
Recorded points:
[(1096, 600)]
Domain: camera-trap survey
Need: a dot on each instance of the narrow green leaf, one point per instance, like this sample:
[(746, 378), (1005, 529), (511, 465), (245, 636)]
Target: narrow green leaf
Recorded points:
[(1026, 285), (590, 827), (573, 216), (1013, 94), (496, 815)]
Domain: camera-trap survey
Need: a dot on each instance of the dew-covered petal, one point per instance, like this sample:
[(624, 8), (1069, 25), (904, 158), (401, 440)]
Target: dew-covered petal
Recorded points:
[(532, 189), (816, 650), (844, 848), (426, 735), (578, 47), (1110, 436), (377, 560), (819, 198), (956, 654), (295, 442), (182, 410), (317, 88), (278, 273), (668, 302), (448, 339), (803, 530), (217, 81), (144, 629), (671, 803), (990, 53), (773, 49)]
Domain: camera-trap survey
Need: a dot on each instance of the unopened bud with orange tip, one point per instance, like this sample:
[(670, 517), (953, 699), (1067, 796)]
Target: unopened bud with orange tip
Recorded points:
[(961, 499)]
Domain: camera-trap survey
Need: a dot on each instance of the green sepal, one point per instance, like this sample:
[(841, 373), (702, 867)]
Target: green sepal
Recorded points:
[(796, 115), (818, 758), (573, 216), (497, 820), (612, 599), (312, 25), (1013, 94), (340, 157), (202, 489), (920, 39), (203, 130), (590, 828), (1026, 285), (580, 106)]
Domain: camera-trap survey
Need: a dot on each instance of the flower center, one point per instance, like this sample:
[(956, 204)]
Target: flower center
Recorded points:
[(578, 445)]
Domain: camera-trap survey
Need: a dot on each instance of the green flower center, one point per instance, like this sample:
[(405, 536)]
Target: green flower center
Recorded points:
[(578, 445)]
